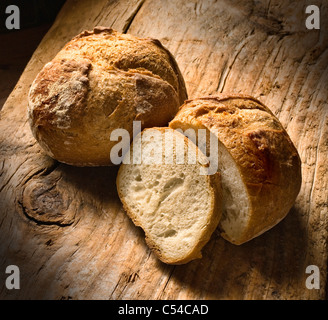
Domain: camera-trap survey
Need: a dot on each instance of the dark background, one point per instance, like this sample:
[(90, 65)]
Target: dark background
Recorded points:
[(17, 46)]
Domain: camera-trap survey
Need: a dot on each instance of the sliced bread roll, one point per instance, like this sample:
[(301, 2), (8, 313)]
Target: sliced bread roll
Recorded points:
[(259, 165), (167, 195)]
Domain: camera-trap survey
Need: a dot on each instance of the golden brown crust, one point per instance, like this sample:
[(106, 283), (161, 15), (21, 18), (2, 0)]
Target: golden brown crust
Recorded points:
[(100, 81), (216, 205), (126, 52), (265, 156)]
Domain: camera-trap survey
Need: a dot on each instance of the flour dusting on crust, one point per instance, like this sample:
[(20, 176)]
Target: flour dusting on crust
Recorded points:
[(58, 92)]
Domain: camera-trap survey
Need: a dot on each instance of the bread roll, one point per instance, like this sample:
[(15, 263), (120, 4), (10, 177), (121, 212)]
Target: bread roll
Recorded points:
[(102, 80), (259, 165), (176, 206)]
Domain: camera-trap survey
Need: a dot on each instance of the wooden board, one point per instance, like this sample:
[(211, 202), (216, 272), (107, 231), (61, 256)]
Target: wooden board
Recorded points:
[(64, 227)]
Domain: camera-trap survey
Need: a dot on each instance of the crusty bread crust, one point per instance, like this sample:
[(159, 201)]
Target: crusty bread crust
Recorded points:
[(100, 81), (268, 161), (211, 225)]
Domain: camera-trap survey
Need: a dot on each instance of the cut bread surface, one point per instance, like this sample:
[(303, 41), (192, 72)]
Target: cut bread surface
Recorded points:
[(234, 192), (235, 205), (175, 205)]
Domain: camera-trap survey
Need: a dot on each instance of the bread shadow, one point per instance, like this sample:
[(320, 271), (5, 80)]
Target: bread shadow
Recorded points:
[(263, 268), (98, 182)]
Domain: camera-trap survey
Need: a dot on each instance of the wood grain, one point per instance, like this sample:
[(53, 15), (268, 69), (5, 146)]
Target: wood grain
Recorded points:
[(65, 227)]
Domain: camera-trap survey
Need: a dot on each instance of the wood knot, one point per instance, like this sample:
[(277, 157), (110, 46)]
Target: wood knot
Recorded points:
[(43, 203)]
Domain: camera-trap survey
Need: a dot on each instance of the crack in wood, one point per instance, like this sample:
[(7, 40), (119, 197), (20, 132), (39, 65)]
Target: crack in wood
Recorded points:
[(131, 18), (323, 120), (226, 71), (42, 223), (167, 281)]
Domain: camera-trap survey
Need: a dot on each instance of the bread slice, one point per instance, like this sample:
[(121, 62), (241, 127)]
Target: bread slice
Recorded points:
[(167, 196), (259, 165)]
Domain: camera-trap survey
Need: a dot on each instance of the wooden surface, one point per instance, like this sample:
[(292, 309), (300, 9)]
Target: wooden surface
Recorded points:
[(14, 56), (64, 227)]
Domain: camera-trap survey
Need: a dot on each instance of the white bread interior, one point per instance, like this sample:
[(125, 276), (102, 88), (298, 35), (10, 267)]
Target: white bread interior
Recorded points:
[(175, 205)]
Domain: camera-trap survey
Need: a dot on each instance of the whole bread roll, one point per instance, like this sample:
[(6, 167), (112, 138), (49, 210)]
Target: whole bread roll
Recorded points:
[(259, 165), (100, 81)]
